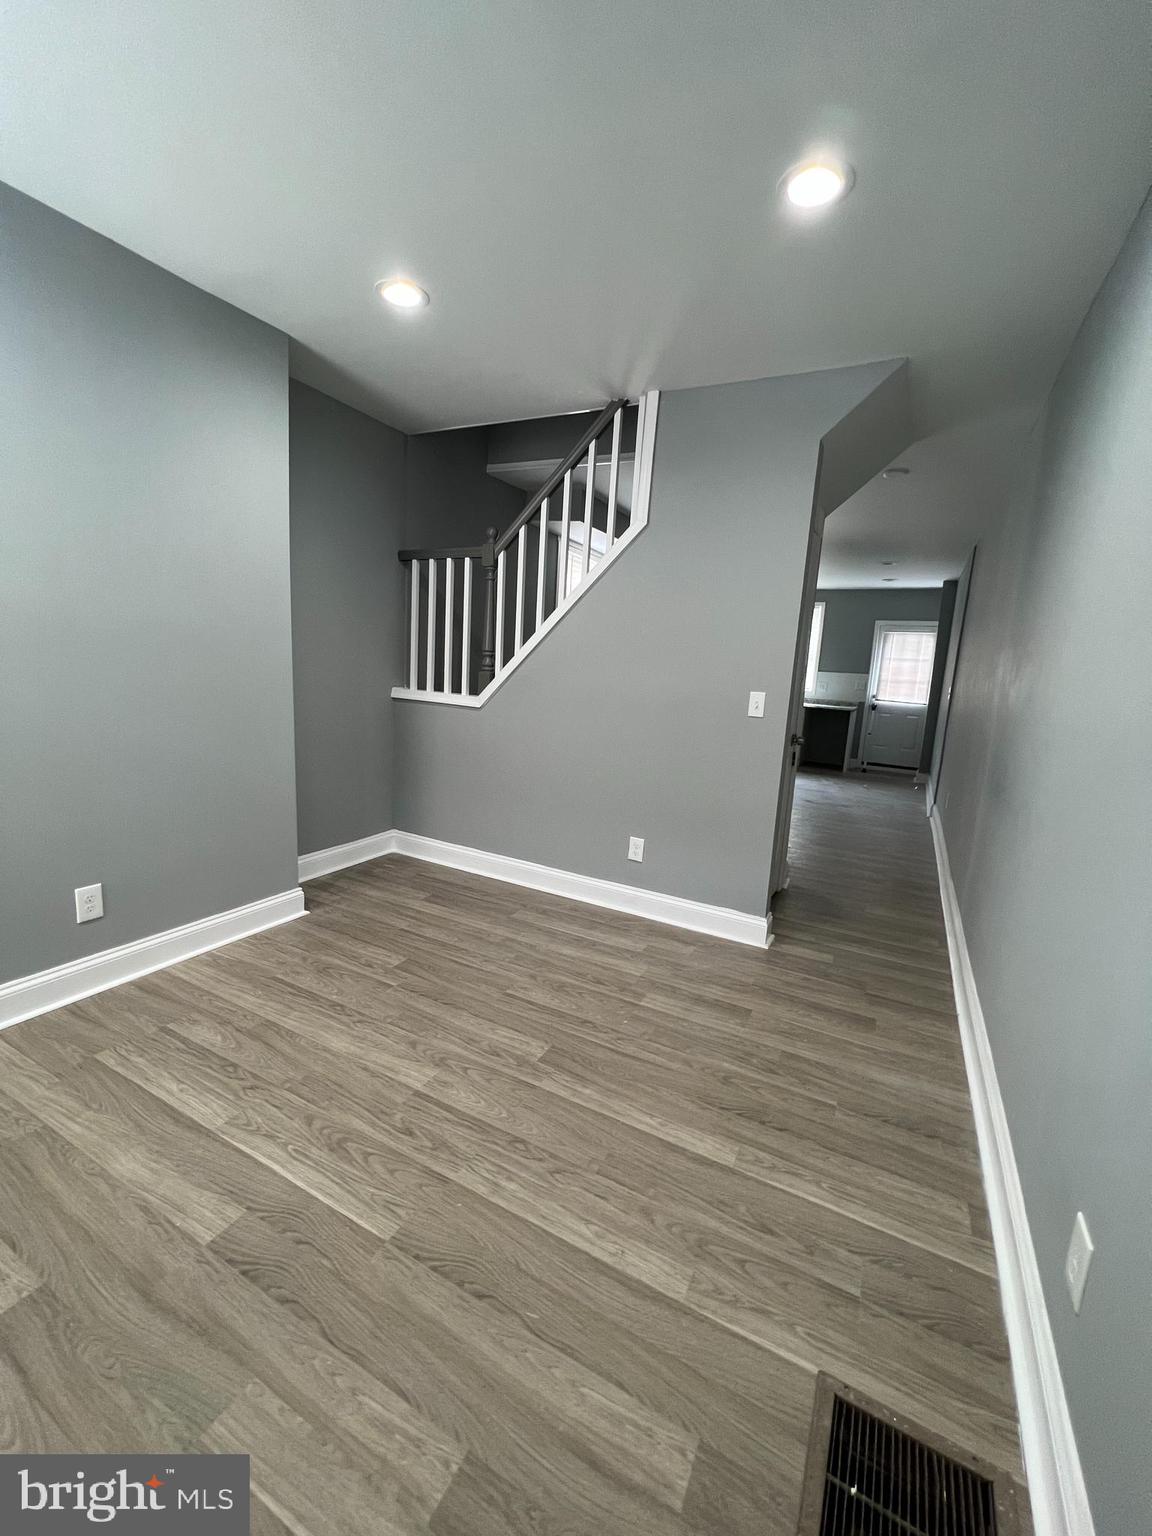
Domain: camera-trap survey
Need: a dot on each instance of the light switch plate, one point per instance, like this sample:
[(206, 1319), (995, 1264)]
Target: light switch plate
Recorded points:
[(756, 705), (89, 903), (636, 849), (1080, 1251)]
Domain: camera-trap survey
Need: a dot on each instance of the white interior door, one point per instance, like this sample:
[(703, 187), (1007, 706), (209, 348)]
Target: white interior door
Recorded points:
[(898, 687)]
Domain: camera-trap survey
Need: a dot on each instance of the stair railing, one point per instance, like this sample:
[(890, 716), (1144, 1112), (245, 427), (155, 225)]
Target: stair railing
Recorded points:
[(522, 586)]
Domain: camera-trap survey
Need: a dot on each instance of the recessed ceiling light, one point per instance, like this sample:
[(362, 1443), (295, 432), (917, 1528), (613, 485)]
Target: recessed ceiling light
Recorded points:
[(896, 469), (401, 293), (817, 183)]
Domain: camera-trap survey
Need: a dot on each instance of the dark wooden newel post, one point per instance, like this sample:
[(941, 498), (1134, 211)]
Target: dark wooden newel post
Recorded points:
[(488, 642)]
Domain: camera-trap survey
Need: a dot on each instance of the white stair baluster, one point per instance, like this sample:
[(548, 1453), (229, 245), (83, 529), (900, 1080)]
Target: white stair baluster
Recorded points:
[(641, 475), (449, 619), (521, 561), (589, 508), (430, 673), (562, 561), (414, 626), (541, 562), (466, 649), (501, 563), (613, 481)]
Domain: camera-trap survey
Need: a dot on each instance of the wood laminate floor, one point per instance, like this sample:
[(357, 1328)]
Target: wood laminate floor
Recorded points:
[(471, 1210)]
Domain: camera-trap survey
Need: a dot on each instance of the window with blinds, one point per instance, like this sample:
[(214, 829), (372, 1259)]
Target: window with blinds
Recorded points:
[(904, 675)]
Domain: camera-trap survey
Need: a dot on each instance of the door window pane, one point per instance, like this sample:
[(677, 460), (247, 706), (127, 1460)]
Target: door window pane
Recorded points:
[(905, 671)]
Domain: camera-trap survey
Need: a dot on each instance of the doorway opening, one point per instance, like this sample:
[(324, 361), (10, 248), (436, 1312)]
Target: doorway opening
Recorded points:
[(874, 660)]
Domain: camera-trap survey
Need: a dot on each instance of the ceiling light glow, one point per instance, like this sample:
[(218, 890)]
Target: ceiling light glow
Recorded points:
[(817, 183), (401, 293)]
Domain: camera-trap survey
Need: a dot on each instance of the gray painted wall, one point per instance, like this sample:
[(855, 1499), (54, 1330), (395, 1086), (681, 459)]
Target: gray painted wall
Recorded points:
[(869, 437), (851, 615), (348, 604), (551, 437), (633, 717), (146, 685), (1045, 805)]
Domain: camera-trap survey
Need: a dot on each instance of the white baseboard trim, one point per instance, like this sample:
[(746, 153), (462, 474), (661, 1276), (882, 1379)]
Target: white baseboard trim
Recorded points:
[(326, 861), (721, 922), (28, 996), (1055, 1477)]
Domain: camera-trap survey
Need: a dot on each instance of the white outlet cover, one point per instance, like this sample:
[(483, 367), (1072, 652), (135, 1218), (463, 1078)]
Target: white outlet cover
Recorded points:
[(636, 849), (89, 903), (1080, 1251), (756, 705)]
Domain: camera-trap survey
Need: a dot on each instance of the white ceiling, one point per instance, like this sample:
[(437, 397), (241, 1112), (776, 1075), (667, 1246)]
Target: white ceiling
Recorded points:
[(588, 190), (927, 521)]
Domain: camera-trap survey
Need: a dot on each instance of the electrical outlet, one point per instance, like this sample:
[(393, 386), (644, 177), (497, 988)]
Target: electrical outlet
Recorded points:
[(636, 849), (1080, 1251), (89, 903), (756, 705)]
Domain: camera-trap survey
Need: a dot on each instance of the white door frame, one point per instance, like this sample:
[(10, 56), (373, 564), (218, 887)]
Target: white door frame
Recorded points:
[(955, 637), (878, 630)]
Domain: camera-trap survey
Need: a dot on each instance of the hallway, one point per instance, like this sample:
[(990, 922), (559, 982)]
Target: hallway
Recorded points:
[(498, 1213)]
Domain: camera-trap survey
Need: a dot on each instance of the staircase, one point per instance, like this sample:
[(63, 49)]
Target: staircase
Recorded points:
[(476, 614)]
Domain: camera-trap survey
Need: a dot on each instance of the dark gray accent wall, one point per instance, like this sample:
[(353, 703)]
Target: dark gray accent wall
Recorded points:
[(852, 613), (146, 680), (450, 497), (551, 437), (1044, 801), (348, 604), (633, 717)]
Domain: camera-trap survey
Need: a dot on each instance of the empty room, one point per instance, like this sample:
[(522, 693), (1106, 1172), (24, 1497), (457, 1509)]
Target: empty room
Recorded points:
[(575, 878)]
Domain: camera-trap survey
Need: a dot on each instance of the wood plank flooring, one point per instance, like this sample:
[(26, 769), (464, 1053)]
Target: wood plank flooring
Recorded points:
[(470, 1210)]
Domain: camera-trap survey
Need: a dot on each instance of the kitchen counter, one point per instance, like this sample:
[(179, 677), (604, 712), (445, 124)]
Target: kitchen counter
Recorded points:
[(829, 726)]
